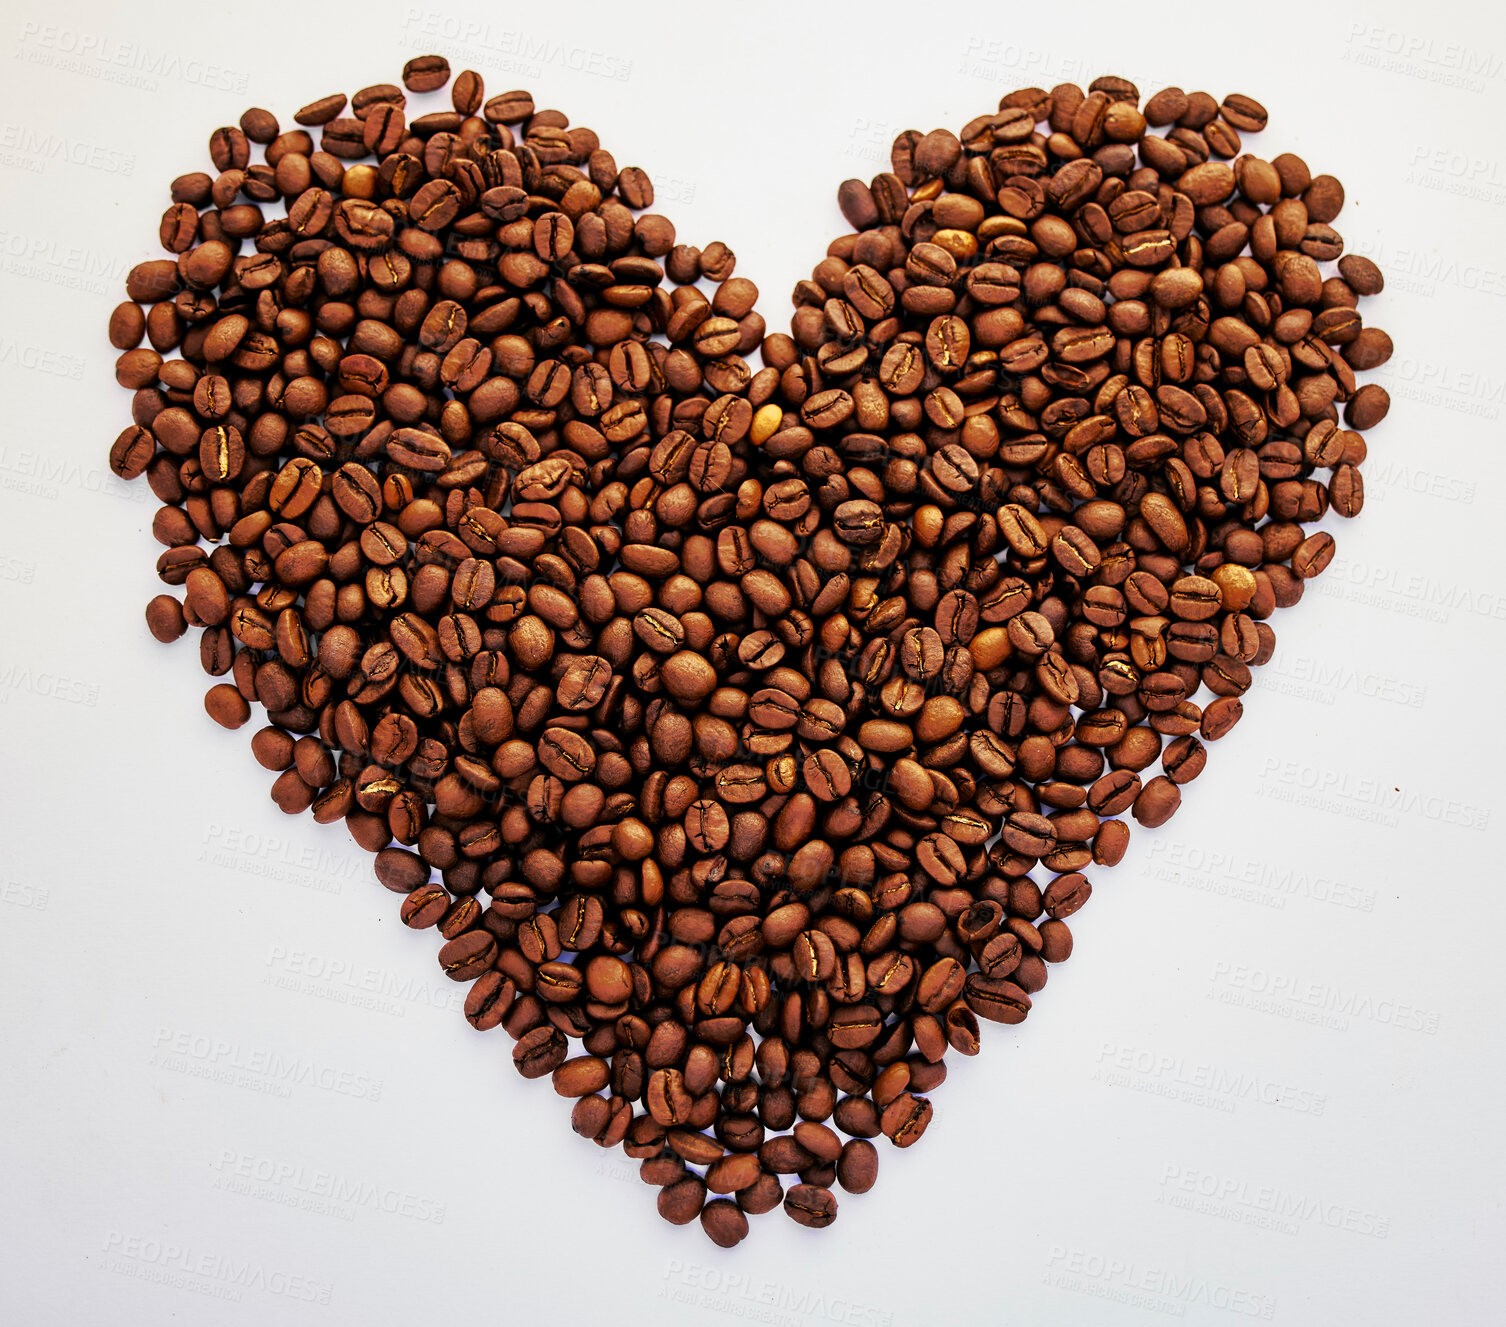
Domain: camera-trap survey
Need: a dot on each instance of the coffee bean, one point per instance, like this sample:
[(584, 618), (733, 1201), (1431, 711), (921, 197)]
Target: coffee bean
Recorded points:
[(1367, 407), (539, 1052), (580, 1076), (467, 92), (905, 1119), (996, 999), (857, 1167), (426, 73), (226, 706), (164, 618), (1066, 894), (1056, 941), (681, 1203), (724, 1223), (1157, 802), (425, 906), (810, 1205), (763, 1195), (321, 111), (1244, 113), (467, 956)]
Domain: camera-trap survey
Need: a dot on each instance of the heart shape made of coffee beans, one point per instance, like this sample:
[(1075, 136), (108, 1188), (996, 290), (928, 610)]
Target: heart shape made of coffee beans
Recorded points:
[(752, 728)]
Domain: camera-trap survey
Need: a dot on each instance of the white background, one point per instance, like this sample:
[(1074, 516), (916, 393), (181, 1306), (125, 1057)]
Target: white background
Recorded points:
[(1268, 1083)]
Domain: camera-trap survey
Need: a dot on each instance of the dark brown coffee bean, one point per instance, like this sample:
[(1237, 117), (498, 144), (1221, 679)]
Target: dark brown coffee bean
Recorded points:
[(426, 73), (996, 999), (581, 1076), (539, 1052), (1157, 802), (467, 92), (682, 1202), (857, 1167), (226, 706), (164, 618), (467, 956), (724, 1223), (905, 1119), (810, 1205)]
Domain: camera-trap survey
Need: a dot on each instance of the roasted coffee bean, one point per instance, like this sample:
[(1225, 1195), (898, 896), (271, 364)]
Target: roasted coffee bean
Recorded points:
[(540, 1051), (426, 73), (752, 729), (468, 955), (724, 1222), (681, 1203), (164, 618), (857, 1167), (226, 706), (905, 1119)]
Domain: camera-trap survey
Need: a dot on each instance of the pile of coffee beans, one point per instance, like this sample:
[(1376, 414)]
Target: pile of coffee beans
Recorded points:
[(745, 733)]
